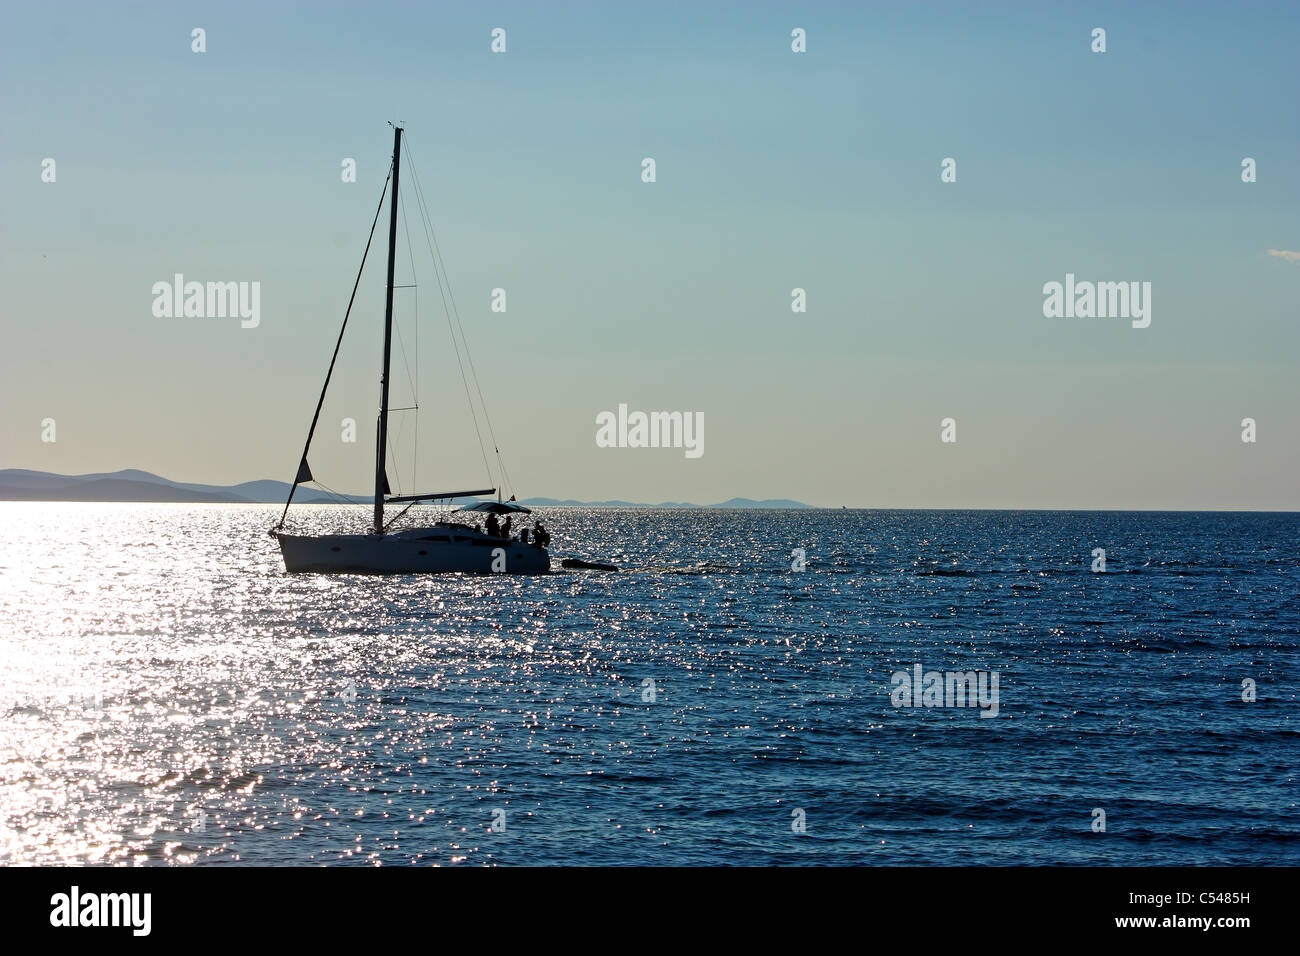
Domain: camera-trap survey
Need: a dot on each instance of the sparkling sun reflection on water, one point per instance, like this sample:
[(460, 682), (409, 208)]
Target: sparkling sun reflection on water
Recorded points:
[(170, 695)]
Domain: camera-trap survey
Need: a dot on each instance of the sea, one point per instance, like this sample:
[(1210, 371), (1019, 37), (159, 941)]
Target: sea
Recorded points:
[(751, 687)]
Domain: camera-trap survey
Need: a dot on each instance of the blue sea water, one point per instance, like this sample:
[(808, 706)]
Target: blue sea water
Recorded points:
[(171, 696)]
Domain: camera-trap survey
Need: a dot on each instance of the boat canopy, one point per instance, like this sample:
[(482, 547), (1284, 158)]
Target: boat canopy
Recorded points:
[(496, 507)]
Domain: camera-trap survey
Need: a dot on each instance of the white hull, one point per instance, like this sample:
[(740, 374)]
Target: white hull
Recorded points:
[(439, 549)]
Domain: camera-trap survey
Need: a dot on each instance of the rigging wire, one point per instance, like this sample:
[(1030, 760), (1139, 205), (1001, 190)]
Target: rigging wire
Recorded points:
[(311, 431), (338, 497), (439, 262), (456, 345), (411, 380)]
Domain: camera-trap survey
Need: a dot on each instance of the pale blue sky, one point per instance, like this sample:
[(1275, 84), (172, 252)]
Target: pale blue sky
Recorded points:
[(775, 170)]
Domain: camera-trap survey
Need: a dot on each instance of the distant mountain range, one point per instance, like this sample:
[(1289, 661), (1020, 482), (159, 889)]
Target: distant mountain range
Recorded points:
[(20, 484)]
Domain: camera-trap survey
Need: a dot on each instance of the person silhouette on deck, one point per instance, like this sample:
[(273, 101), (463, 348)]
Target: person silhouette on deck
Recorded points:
[(505, 528), (492, 528)]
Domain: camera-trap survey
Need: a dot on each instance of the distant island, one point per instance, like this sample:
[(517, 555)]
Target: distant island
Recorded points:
[(20, 484)]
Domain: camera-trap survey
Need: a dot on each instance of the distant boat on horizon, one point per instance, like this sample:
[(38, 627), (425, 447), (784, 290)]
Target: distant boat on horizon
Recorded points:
[(446, 546)]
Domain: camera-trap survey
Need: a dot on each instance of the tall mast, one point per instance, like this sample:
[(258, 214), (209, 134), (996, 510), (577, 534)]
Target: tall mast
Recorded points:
[(381, 481)]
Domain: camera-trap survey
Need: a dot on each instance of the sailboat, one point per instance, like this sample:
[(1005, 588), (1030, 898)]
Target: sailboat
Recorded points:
[(446, 545)]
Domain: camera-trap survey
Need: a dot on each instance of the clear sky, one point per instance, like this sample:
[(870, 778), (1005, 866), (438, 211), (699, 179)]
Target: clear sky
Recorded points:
[(775, 170)]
